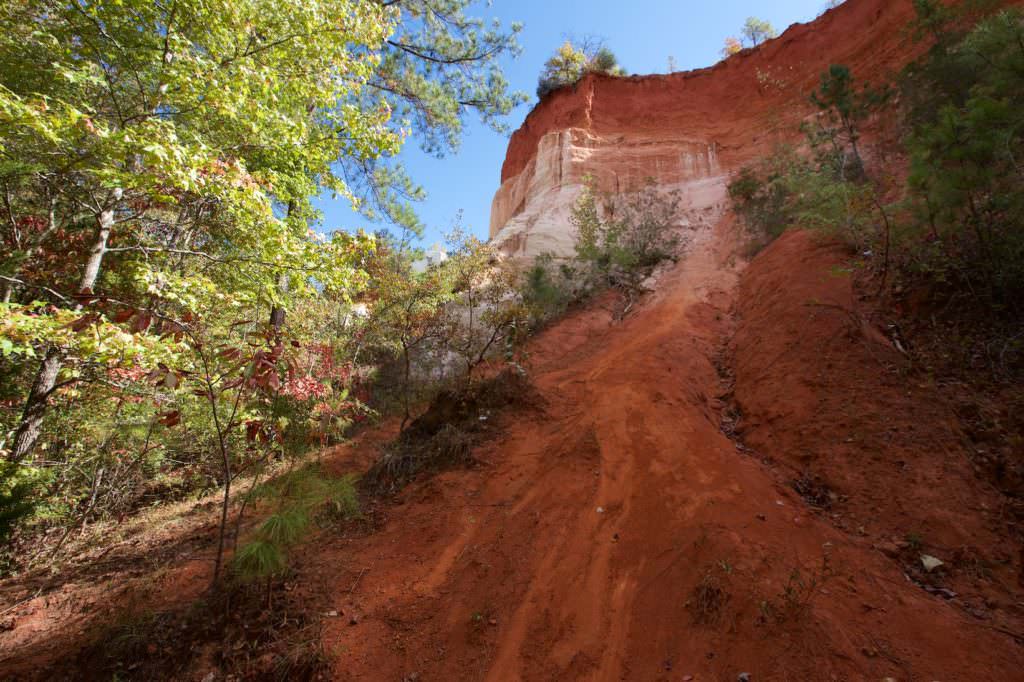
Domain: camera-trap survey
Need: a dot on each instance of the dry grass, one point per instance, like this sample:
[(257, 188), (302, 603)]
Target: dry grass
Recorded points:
[(707, 600), (444, 436)]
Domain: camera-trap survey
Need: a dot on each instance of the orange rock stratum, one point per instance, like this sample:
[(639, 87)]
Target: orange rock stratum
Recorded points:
[(686, 130)]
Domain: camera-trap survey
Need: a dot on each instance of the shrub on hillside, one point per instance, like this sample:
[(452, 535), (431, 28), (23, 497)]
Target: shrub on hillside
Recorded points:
[(789, 190), (455, 421), (826, 187), (967, 176), (958, 231), (548, 288), (622, 239), (299, 499)]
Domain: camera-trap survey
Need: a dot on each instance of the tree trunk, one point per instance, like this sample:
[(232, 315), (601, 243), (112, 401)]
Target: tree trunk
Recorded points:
[(35, 405), (277, 319), (406, 388), (225, 506), (277, 313), (104, 224), (46, 376), (226, 470)]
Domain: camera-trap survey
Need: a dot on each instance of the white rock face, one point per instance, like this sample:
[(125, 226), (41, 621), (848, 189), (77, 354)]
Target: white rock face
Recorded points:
[(530, 214), (435, 255)]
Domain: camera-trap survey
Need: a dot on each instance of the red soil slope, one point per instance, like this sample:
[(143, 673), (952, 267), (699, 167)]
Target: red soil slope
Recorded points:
[(621, 536), (618, 534), (826, 395)]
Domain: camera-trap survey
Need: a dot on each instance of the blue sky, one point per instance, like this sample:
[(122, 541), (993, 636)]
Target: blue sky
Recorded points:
[(642, 33)]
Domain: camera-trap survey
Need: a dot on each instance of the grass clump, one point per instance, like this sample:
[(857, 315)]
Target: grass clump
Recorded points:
[(300, 499), (707, 600), (445, 435)]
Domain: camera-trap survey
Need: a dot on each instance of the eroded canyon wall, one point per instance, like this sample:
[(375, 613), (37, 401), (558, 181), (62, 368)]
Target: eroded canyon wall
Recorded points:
[(687, 130)]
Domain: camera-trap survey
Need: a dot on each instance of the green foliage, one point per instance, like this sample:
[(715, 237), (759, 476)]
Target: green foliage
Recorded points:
[(17, 485), (260, 559), (173, 311), (284, 528), (440, 324), (944, 74), (487, 314), (564, 68), (755, 31), (761, 195), (843, 107), (827, 189), (569, 64), (932, 19), (961, 227), (787, 190), (965, 176), (299, 496), (407, 317), (440, 66), (605, 61), (620, 242), (547, 288)]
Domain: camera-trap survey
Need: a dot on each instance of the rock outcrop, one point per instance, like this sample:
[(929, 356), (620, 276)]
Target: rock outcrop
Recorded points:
[(686, 130)]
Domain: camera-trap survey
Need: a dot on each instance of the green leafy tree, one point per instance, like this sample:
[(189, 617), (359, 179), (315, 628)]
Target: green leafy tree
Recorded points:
[(487, 313), (194, 135), (158, 165), (843, 107), (755, 31), (966, 172), (605, 61), (439, 66), (173, 131), (570, 63), (563, 68), (407, 315)]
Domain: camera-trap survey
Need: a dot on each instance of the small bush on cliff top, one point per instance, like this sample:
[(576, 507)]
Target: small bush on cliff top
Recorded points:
[(570, 63), (755, 31)]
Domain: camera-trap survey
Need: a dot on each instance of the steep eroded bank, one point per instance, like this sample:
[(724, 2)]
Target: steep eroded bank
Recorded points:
[(621, 535)]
